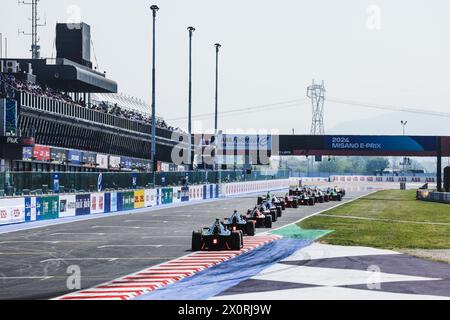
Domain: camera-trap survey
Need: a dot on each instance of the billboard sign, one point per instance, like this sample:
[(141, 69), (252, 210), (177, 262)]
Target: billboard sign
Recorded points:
[(74, 157), (58, 156), (83, 204), (27, 154), (348, 145), (102, 161), (41, 153), (114, 162), (67, 206)]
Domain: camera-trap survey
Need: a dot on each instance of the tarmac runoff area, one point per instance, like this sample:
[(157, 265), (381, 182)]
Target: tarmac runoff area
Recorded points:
[(34, 263)]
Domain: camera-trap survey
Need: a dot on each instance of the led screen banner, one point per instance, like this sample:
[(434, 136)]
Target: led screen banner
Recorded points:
[(348, 145)]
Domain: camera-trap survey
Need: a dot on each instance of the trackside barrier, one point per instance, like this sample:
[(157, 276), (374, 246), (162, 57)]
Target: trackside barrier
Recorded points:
[(413, 179), (37, 208), (238, 188), (434, 196)]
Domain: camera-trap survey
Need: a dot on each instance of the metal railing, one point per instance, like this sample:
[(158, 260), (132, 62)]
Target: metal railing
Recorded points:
[(36, 183)]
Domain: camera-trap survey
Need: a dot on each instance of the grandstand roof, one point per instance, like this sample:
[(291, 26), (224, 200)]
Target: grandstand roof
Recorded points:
[(68, 76)]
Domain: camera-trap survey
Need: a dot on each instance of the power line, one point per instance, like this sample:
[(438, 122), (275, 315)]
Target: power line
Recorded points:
[(279, 105), (390, 107)]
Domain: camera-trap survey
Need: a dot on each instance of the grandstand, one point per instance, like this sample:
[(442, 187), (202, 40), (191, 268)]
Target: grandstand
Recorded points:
[(62, 115)]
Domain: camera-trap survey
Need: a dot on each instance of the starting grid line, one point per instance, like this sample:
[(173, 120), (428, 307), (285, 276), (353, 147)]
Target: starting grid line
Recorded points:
[(145, 281)]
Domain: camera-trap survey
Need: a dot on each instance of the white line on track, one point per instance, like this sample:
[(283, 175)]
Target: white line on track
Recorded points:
[(124, 227), (80, 233), (135, 246), (104, 259), (149, 220), (26, 278), (25, 253), (50, 242), (163, 236)]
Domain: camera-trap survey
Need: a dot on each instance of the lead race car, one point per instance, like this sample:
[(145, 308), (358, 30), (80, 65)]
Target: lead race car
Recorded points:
[(217, 238), (335, 194), (238, 222)]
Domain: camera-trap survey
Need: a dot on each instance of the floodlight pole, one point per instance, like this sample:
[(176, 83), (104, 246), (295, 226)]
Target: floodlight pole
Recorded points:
[(191, 164), (154, 9), (216, 124)]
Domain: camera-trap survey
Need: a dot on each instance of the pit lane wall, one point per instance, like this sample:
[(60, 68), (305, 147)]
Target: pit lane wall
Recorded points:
[(47, 207)]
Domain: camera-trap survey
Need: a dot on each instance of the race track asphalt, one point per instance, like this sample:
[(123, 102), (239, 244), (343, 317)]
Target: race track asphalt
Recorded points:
[(34, 263)]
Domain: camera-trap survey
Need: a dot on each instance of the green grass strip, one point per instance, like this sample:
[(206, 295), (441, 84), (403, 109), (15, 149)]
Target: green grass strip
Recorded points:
[(295, 232)]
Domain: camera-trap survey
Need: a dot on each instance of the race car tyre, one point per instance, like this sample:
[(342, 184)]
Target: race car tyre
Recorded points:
[(250, 228), (311, 202), (339, 197), (279, 211), (283, 205), (236, 240), (196, 241), (295, 204), (274, 215), (260, 200), (268, 222)]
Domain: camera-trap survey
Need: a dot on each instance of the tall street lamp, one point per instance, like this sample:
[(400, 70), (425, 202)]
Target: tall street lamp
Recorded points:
[(405, 160), (154, 9), (191, 31), (218, 46), (404, 123)]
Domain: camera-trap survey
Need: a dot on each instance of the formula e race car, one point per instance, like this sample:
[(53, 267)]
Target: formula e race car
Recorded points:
[(291, 202), (277, 201), (261, 220), (268, 205), (217, 238), (238, 222), (335, 194), (303, 196)]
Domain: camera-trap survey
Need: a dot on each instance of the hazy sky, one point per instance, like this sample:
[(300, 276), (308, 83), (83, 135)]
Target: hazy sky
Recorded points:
[(393, 52)]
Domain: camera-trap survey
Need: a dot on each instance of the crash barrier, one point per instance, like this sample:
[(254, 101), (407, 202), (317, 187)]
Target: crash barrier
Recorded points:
[(38, 208), (434, 196), (399, 179), (238, 188), (47, 207), (42, 183)]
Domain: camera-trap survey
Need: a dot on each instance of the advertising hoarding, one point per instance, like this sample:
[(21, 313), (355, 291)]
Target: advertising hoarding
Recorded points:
[(49, 208), (102, 161), (58, 156), (12, 211), (114, 162), (67, 206), (83, 204), (139, 199), (41, 153), (97, 203), (74, 157), (27, 154)]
